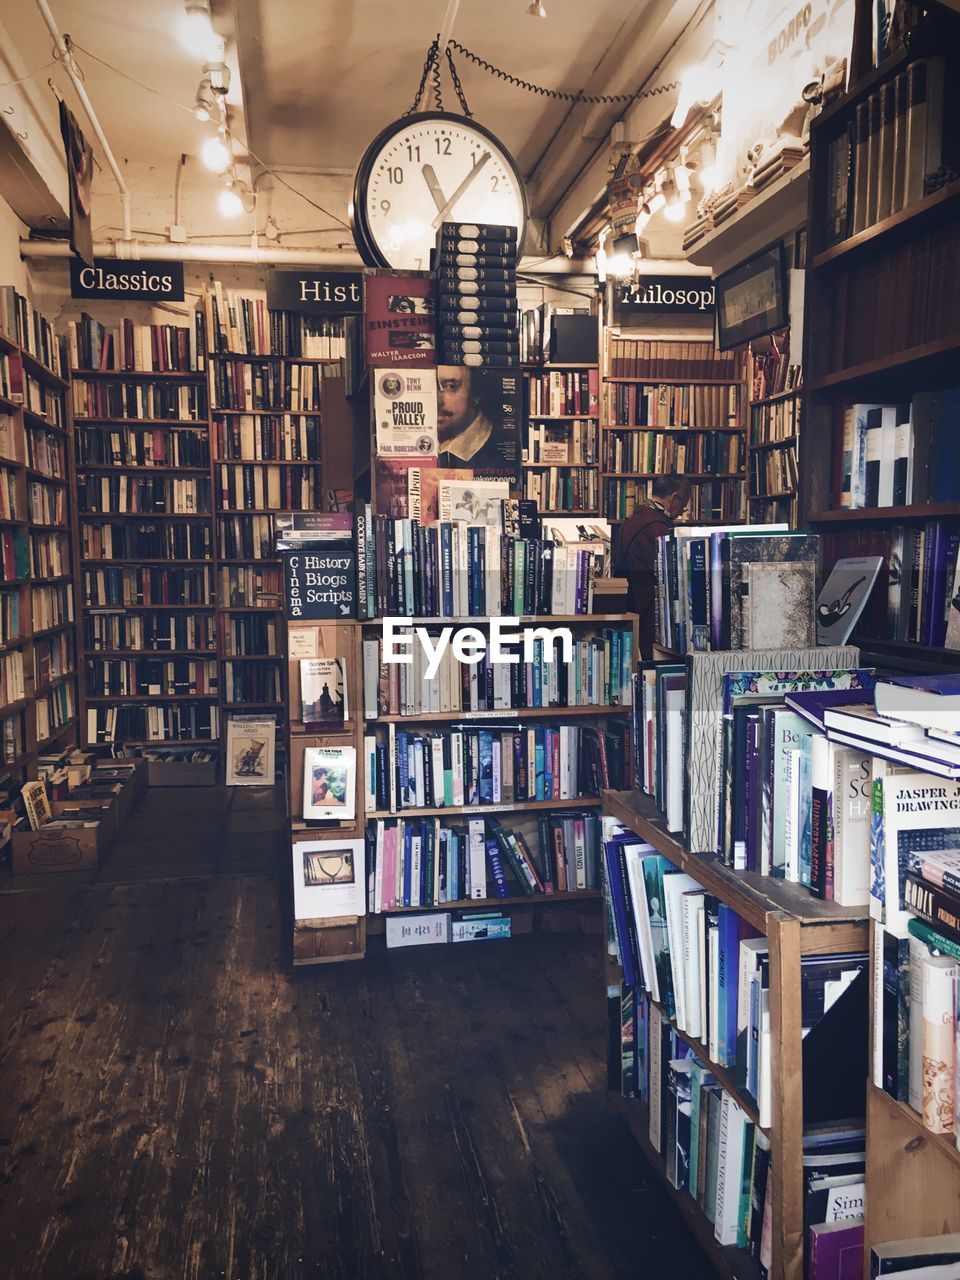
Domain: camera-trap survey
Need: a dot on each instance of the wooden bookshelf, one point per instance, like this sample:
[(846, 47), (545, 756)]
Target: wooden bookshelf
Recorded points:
[(35, 469), (587, 466), (864, 347), (795, 924)]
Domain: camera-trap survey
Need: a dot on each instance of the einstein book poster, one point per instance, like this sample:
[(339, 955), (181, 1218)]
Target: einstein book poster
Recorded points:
[(399, 311), (251, 741)]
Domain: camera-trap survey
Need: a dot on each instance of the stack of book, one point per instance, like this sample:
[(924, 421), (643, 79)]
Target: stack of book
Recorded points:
[(477, 295)]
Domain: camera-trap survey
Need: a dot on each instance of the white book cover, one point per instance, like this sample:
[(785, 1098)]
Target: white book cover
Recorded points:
[(675, 884), (691, 906), (920, 811), (329, 879), (791, 826), (633, 856), (329, 782), (656, 1079), (418, 931), (852, 805), (713, 950), (676, 772), (888, 453), (476, 859), (752, 951)]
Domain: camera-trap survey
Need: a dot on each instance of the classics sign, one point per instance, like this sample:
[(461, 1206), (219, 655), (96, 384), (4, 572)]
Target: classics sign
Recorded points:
[(139, 280)]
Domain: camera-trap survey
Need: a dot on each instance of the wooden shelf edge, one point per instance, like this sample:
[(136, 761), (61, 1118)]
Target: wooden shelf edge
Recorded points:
[(943, 1142), (880, 230), (894, 363), (510, 713)]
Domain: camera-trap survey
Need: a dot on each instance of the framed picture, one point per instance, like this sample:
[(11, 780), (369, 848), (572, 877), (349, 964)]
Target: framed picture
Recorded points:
[(251, 744), (752, 299), (329, 879), (330, 783)]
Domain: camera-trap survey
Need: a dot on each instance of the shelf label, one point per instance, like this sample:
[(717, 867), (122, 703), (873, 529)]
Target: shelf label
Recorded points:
[(117, 280)]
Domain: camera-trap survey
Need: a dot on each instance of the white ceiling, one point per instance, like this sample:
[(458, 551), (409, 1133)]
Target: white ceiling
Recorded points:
[(316, 80)]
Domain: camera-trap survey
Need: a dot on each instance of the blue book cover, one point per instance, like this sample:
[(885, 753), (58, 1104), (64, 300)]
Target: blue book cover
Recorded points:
[(538, 768), (496, 868), (620, 905), (729, 927), (485, 791), (811, 704), (537, 667), (403, 771)]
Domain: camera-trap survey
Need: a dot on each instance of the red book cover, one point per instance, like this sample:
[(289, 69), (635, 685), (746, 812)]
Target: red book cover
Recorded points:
[(399, 312)]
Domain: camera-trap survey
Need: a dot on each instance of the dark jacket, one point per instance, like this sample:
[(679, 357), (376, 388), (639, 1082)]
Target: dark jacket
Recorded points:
[(636, 558)]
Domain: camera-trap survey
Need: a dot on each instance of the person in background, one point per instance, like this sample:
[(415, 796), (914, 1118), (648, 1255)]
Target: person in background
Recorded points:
[(635, 549)]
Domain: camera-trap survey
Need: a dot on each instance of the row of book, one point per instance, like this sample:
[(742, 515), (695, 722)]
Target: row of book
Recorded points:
[(657, 358), (42, 400), (708, 972), (736, 588), (248, 634), (11, 507), (779, 420), (139, 495), (900, 454), (14, 555), (923, 601), (563, 443), (774, 471), (148, 632), (47, 504), (161, 722), (501, 764), (246, 537), (159, 540), (121, 400), (427, 863), (246, 326), (149, 677), (143, 587), (55, 710), (715, 1154), (142, 448), (45, 453), (51, 607), (572, 489), (265, 439), (253, 682), (672, 406), (711, 502), (53, 658), (254, 587), (22, 324), (136, 348), (599, 675), (246, 384), (658, 453), (12, 686), (451, 569), (260, 487), (771, 373), (49, 556), (563, 394), (860, 326), (878, 165)]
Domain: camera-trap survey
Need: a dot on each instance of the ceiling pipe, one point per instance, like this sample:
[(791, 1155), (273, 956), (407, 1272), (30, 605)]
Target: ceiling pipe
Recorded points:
[(70, 66), (446, 28), (132, 250)]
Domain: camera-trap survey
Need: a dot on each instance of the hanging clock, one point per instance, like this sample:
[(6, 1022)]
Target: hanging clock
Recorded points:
[(425, 169)]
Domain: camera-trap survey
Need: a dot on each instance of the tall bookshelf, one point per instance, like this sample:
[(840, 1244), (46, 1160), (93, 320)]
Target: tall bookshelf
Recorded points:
[(873, 347), (561, 446), (672, 408), (775, 408), (146, 537), (38, 643)]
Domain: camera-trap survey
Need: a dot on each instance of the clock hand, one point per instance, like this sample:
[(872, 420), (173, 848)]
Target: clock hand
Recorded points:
[(460, 190), (435, 189)]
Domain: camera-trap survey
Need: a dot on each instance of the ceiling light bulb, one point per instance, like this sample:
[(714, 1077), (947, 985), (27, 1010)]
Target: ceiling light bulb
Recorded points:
[(230, 203), (204, 106), (537, 10), (216, 154), (675, 212), (196, 33)]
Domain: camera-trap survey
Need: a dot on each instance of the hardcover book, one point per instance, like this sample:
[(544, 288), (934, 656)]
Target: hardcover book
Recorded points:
[(400, 318), (843, 597), (776, 549), (251, 743), (776, 602), (323, 692)]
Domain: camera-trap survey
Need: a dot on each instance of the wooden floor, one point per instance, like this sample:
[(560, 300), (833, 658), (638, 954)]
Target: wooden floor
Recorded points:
[(174, 1102)]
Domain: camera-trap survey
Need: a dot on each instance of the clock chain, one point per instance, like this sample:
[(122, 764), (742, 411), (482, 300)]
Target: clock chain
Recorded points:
[(431, 68)]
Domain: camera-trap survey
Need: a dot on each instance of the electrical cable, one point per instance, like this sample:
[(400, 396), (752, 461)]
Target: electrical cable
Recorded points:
[(30, 74), (243, 142)]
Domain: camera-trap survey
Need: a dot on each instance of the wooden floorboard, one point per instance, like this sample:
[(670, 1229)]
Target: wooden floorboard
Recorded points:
[(176, 1104)]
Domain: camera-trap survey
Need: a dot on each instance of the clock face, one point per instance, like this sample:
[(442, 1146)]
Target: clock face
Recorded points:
[(424, 170)]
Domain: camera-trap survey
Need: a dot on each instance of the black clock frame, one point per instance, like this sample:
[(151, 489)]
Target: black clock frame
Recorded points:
[(362, 234)]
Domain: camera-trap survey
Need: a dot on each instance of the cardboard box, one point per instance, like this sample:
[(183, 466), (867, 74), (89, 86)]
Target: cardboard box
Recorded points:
[(183, 773), (51, 850), (107, 814)]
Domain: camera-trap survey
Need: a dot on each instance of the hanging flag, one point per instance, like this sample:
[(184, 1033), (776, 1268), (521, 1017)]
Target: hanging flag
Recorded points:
[(79, 176)]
